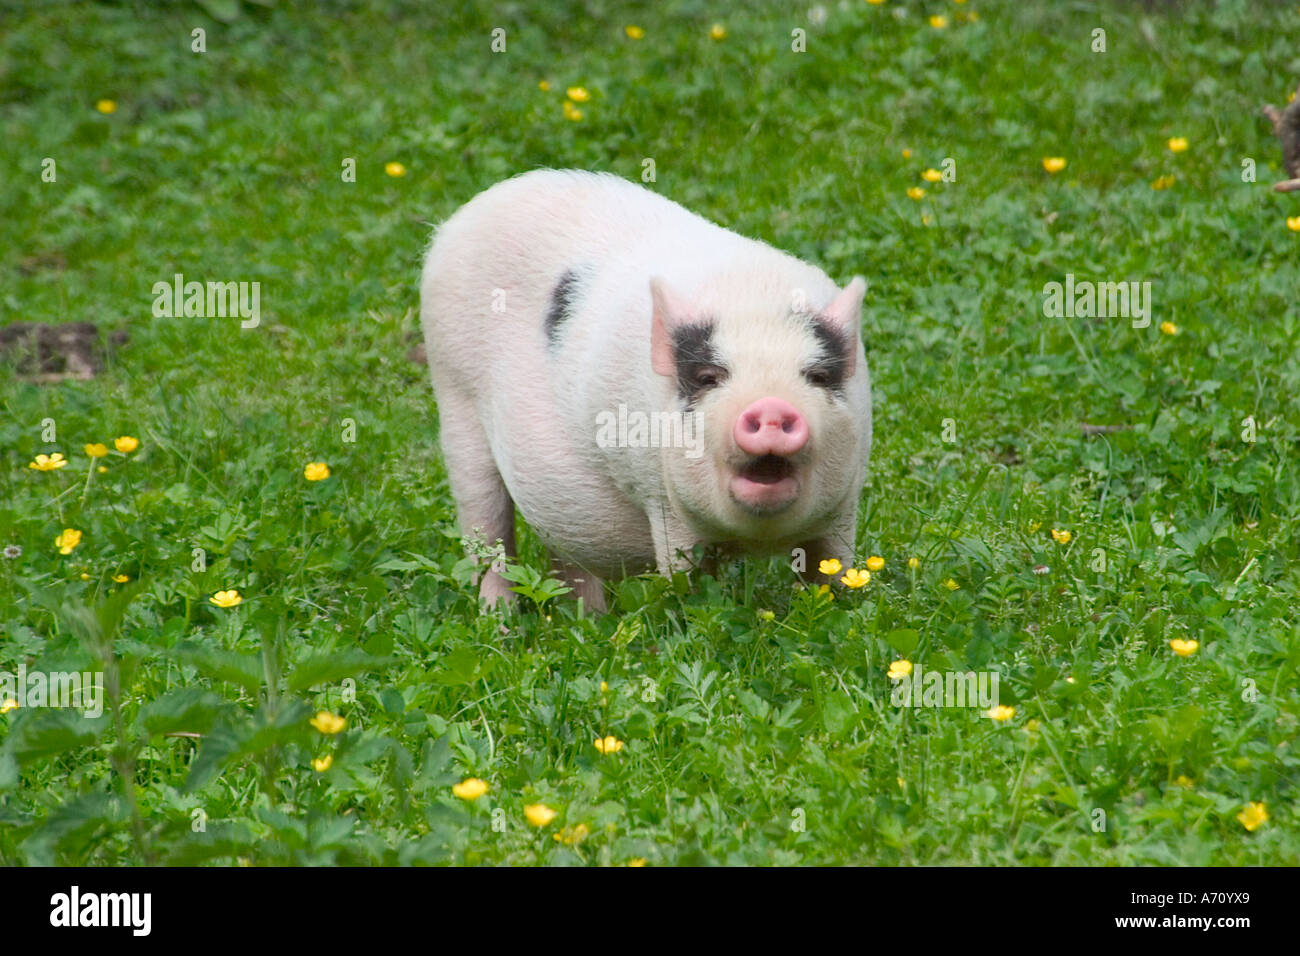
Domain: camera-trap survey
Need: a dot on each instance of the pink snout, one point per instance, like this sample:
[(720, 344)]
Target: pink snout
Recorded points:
[(771, 426)]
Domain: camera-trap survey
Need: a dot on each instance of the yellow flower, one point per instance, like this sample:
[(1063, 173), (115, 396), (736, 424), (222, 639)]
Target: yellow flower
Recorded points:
[(65, 542), (321, 764), (831, 566), (543, 85), (609, 745), (1002, 712), (875, 3), (718, 32), (1253, 816), (578, 94), (572, 835), (766, 615), (571, 112), (48, 462), (951, 585), (225, 598), (932, 176), (1053, 164), (470, 789), (126, 444), (938, 21), (85, 576), (121, 578), (899, 669), (1032, 725), (1178, 144), (395, 169), (328, 723), (1062, 537), (915, 192), (855, 578), (1168, 328), (907, 154), (1162, 182), (316, 471), (102, 470), (106, 106), (1293, 223), (913, 563), (1183, 780), (1184, 648), (97, 450), (875, 562), (8, 705), (539, 814), (636, 861), (634, 33)]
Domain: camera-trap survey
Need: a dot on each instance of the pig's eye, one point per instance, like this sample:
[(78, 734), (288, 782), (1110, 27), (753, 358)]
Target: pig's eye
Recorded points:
[(818, 377), (710, 376)]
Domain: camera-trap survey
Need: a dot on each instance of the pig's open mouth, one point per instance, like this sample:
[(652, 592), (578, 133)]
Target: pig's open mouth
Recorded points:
[(765, 484)]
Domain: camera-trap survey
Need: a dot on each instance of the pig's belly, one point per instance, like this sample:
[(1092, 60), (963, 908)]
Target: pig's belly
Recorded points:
[(578, 512)]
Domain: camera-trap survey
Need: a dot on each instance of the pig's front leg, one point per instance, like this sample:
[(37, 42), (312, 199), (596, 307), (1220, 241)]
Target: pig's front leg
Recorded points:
[(586, 586), (673, 540)]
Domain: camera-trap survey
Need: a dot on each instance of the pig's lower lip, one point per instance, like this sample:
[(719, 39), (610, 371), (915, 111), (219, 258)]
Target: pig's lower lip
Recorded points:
[(765, 484)]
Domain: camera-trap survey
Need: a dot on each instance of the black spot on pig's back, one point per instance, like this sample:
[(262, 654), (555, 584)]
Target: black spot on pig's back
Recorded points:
[(563, 297)]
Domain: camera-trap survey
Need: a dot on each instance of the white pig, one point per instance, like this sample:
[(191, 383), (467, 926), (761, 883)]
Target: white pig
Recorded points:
[(557, 303)]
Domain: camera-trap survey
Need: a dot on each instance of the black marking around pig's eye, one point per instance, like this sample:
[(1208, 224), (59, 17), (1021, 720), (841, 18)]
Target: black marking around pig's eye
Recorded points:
[(698, 368), (828, 368), (562, 298)]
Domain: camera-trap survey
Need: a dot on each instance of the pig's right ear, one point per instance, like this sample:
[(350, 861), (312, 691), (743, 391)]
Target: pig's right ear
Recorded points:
[(670, 312)]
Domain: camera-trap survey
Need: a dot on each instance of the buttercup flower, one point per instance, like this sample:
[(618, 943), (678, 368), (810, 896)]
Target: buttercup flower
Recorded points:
[(1168, 328), (1183, 780), (571, 835), (539, 814), (321, 764), (97, 450), (634, 33), (899, 669), (951, 585), (106, 106), (907, 153), (1002, 712), (543, 85), (718, 32), (571, 112), (395, 169), (938, 21), (48, 462), (328, 723), (1177, 144), (875, 562), (126, 444), (1184, 648), (915, 192), (855, 578), (1062, 537), (121, 578), (1293, 223), (8, 705), (470, 789), (102, 470), (636, 861), (609, 745), (831, 566), (578, 94), (226, 598), (1053, 164), (68, 540), (316, 471), (1253, 816), (913, 563), (1162, 182), (932, 176)]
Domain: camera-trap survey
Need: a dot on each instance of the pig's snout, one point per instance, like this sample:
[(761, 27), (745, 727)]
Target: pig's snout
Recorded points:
[(771, 426)]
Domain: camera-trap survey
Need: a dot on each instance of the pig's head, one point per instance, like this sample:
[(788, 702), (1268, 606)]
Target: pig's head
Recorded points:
[(777, 379)]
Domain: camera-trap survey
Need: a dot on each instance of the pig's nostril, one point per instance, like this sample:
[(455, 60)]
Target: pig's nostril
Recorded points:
[(771, 426)]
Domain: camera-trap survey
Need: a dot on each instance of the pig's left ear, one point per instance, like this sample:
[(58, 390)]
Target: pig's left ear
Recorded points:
[(844, 316), (670, 312)]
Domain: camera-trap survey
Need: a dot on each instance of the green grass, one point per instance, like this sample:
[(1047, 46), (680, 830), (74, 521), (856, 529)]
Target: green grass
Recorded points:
[(747, 739)]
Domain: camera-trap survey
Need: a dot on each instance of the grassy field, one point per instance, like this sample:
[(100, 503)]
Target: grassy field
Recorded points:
[(753, 717)]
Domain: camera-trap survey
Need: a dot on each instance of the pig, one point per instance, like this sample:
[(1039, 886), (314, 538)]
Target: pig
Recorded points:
[(563, 311)]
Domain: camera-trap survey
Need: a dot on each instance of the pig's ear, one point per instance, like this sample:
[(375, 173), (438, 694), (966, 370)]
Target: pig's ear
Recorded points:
[(844, 316), (670, 312)]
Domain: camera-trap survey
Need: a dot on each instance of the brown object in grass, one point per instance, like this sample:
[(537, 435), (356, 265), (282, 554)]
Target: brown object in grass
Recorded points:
[(45, 353), (1286, 126)]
